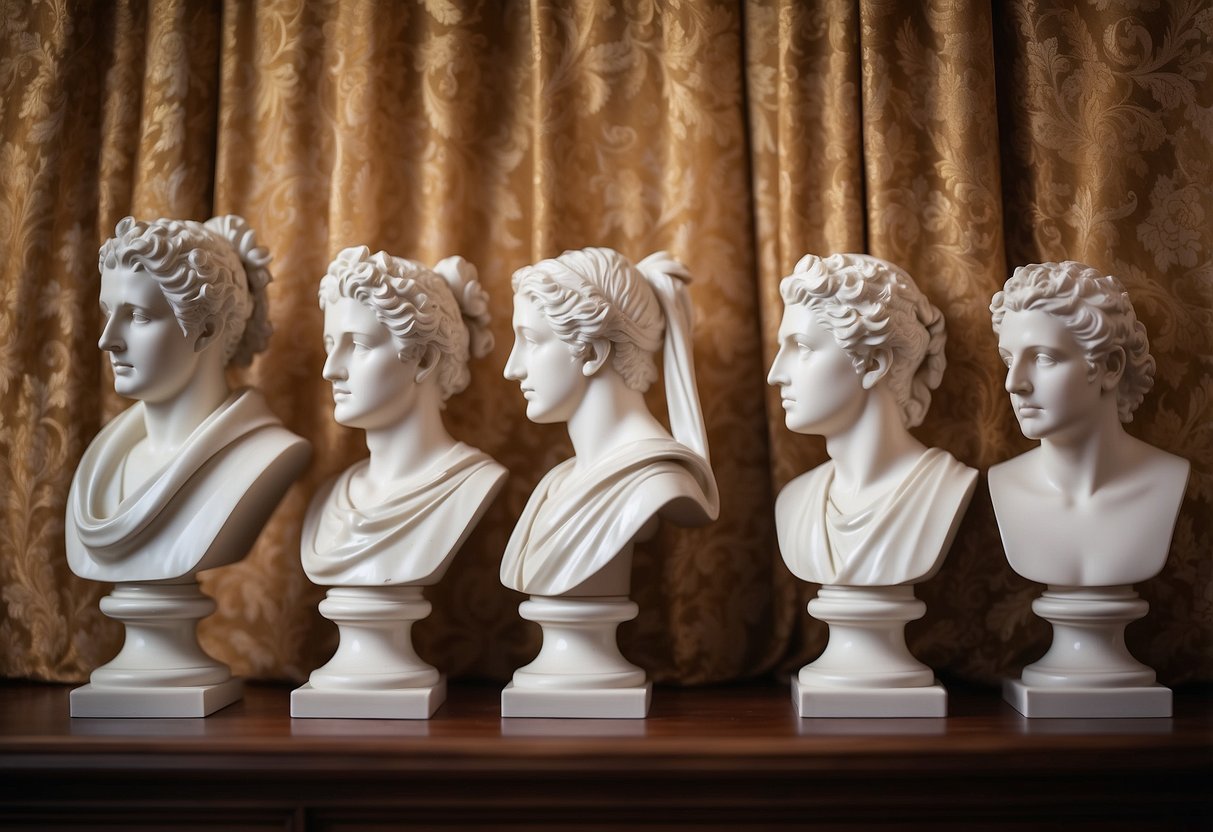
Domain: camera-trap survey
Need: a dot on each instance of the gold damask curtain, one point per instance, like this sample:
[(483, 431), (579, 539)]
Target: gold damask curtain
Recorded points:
[(957, 139)]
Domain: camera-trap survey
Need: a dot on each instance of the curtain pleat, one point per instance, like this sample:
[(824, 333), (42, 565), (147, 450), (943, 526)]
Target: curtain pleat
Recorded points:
[(957, 140)]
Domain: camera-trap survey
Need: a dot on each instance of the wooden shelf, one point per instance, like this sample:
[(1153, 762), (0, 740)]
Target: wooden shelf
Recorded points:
[(705, 759)]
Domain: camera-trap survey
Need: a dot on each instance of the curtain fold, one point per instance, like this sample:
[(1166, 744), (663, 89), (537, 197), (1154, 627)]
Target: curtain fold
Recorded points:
[(955, 139)]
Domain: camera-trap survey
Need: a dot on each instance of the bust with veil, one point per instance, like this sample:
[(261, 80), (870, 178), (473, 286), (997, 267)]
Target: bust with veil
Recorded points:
[(587, 328), (588, 325)]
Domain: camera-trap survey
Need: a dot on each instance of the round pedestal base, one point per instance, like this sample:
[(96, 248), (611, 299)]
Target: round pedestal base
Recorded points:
[(579, 671), (866, 660), (375, 673), (1088, 671), (161, 670)]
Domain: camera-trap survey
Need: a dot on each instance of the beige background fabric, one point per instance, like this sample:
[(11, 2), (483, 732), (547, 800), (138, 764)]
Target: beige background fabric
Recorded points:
[(955, 140)]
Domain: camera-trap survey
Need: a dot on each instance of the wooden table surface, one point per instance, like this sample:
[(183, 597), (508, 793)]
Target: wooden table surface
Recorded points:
[(705, 758)]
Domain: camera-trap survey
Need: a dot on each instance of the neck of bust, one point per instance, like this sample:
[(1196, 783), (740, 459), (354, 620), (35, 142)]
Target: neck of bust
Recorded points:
[(609, 416), (170, 422), (410, 445), (1081, 460), (875, 451)]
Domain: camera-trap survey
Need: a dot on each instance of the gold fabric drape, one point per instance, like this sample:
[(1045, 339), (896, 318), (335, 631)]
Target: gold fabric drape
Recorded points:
[(956, 139)]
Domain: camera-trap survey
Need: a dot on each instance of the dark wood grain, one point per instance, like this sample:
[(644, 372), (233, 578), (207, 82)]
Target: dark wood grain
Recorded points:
[(713, 758)]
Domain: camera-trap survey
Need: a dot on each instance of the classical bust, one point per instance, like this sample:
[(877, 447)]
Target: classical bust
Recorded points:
[(1092, 505), (587, 327), (399, 337), (183, 480), (860, 350)]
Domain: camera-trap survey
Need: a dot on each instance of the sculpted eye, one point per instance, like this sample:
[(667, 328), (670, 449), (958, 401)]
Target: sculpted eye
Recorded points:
[(139, 317), (1045, 360)]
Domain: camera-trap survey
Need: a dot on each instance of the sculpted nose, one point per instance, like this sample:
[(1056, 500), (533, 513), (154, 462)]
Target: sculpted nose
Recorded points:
[(1017, 380), (110, 340), (513, 366), (333, 370), (777, 377)]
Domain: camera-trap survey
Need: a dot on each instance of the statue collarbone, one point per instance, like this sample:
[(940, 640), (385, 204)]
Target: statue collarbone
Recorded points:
[(1115, 531)]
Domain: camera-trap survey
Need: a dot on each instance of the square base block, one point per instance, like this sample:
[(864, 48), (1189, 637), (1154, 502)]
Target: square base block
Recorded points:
[(1083, 703), (923, 702), (159, 703), (403, 703), (603, 703)]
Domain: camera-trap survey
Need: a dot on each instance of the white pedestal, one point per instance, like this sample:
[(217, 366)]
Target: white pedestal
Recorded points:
[(579, 672), (866, 669), (1088, 671), (405, 703), (375, 673), (192, 701), (161, 670)]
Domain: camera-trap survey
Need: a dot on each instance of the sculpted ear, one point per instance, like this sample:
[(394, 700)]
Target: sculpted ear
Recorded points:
[(1113, 367), (876, 367), (600, 352), (209, 332), (427, 363)]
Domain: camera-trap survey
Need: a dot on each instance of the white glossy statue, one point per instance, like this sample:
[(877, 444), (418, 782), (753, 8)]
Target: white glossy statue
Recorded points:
[(860, 350), (398, 337), (183, 480), (1091, 510), (587, 326)]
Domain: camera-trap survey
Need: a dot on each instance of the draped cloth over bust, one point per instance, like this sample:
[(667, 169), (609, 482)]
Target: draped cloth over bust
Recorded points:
[(117, 536), (576, 522), (406, 538), (899, 538)]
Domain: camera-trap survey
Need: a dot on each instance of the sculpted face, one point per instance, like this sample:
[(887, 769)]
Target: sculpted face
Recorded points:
[(1053, 390), (544, 366), (822, 392), (152, 358), (372, 387)]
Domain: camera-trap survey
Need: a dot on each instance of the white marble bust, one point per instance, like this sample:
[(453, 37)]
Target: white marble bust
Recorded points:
[(587, 327), (399, 337), (1092, 505), (183, 480), (860, 350)]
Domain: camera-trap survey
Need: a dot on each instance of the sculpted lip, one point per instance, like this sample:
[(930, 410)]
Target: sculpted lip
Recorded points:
[(122, 367)]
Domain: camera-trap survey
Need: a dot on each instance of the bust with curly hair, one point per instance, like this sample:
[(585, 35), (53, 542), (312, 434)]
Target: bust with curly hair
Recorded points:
[(399, 336), (185, 479), (860, 350), (1092, 505)]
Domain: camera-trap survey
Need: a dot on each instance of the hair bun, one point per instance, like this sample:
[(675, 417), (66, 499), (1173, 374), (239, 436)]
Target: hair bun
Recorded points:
[(473, 301), (255, 259)]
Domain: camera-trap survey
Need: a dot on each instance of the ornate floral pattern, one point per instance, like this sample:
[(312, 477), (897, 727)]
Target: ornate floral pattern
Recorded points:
[(949, 140)]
